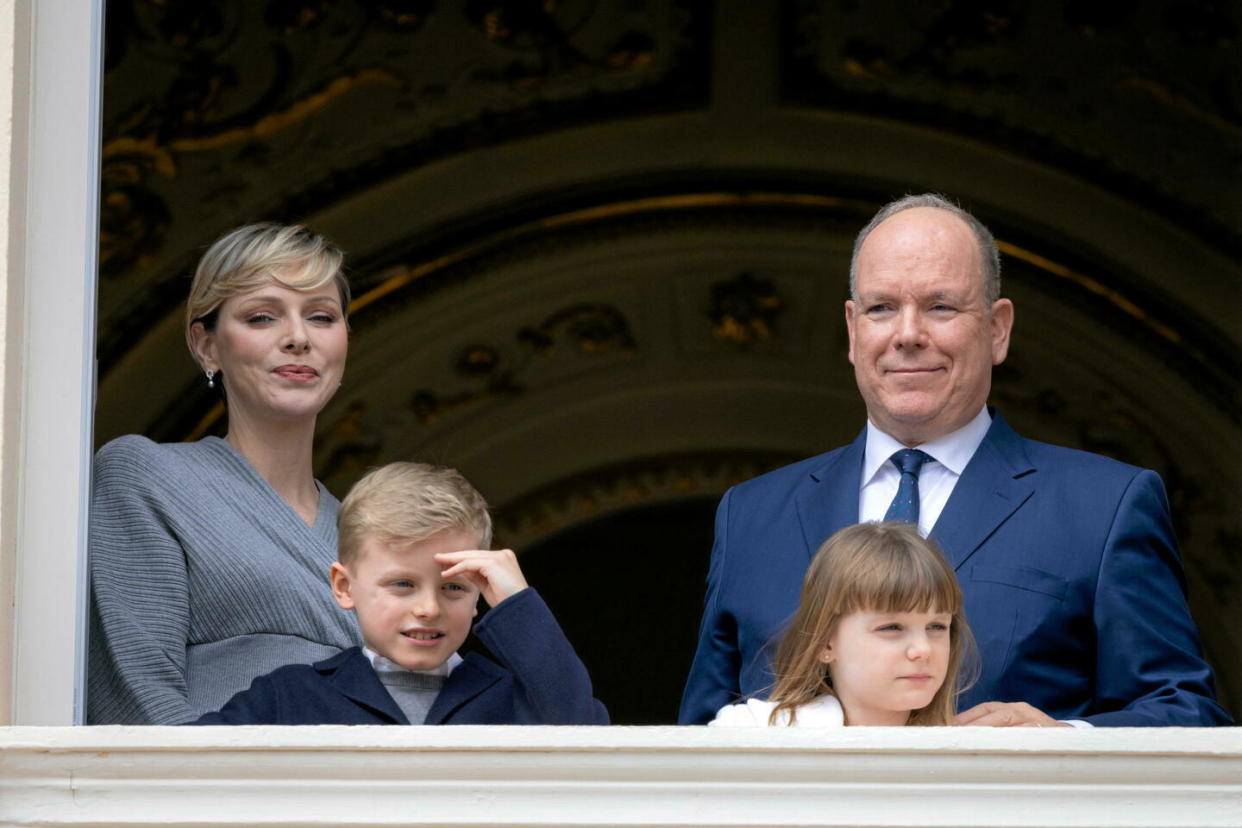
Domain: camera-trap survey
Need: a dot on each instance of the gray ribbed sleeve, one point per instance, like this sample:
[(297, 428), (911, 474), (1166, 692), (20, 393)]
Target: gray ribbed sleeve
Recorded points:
[(202, 578)]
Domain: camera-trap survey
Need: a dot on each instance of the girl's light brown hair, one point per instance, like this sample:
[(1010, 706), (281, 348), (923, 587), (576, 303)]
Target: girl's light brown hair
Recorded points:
[(870, 567)]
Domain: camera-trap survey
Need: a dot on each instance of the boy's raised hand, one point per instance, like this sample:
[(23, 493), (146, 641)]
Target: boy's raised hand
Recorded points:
[(494, 571)]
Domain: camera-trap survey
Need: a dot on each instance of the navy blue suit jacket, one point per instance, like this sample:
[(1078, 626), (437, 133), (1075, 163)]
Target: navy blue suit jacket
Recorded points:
[(1067, 560), (542, 681)]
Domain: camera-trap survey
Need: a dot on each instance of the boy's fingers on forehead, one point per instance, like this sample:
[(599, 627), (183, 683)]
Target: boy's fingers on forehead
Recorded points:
[(459, 554)]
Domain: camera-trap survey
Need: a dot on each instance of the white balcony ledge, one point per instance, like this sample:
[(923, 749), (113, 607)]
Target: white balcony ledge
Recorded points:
[(325, 776)]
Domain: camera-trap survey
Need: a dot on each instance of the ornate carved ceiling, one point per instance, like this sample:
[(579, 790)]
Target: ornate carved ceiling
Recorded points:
[(1144, 98), (218, 113), (221, 113)]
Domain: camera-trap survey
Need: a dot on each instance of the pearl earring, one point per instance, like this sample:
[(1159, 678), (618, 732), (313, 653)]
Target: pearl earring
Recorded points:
[(211, 378)]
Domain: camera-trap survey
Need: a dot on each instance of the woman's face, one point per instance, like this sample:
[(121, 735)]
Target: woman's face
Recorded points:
[(281, 351)]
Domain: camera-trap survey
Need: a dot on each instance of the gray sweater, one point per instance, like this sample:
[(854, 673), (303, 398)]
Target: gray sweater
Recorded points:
[(202, 578)]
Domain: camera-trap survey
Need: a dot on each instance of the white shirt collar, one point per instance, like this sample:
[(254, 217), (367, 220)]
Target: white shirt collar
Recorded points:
[(384, 665), (822, 711), (953, 451)]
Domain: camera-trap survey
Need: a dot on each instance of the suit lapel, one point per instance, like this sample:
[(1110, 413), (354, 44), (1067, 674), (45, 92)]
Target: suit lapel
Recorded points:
[(356, 680), (828, 501), (466, 682), (994, 484)]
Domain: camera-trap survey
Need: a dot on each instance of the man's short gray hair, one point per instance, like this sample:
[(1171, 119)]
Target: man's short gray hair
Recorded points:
[(988, 254)]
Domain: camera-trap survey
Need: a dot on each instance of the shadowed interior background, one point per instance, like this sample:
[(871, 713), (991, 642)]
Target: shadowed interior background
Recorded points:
[(599, 250)]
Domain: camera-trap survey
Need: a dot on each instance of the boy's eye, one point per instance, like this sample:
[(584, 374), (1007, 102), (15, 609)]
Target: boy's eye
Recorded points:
[(451, 587), (890, 627), (403, 584)]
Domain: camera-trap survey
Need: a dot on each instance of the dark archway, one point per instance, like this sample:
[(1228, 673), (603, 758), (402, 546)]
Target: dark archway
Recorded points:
[(628, 591)]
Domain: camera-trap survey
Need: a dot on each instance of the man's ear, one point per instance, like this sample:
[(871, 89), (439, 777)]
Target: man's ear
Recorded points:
[(339, 577), (849, 326), (203, 345), (1002, 326)]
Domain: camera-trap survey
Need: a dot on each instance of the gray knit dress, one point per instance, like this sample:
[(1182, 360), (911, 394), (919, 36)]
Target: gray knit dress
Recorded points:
[(202, 578)]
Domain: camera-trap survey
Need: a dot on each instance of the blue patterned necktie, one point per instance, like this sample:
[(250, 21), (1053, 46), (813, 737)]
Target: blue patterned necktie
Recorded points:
[(905, 506)]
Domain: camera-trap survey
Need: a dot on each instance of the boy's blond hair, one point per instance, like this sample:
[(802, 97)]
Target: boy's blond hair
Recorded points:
[(405, 502)]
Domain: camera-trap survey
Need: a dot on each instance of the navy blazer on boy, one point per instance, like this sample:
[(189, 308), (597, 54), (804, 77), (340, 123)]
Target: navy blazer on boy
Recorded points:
[(1071, 575), (539, 680)]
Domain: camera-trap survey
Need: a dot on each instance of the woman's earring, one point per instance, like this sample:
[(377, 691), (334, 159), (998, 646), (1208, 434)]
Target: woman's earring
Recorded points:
[(211, 378)]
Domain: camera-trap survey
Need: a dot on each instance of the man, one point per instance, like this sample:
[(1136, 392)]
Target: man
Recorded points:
[(1072, 579)]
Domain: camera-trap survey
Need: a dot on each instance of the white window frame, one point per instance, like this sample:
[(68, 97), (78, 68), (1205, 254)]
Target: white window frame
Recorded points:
[(53, 233)]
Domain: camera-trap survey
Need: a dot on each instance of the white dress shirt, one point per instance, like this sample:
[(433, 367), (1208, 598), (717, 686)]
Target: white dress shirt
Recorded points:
[(383, 665), (937, 477)]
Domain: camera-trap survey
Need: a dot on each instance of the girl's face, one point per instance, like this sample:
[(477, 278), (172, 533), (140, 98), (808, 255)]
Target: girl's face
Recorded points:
[(885, 664), (281, 351)]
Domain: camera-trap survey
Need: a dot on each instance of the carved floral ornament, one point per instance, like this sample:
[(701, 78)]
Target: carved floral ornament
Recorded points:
[(235, 88), (586, 328)]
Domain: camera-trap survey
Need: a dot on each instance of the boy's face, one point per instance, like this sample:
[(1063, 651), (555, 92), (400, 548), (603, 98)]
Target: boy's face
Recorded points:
[(407, 612)]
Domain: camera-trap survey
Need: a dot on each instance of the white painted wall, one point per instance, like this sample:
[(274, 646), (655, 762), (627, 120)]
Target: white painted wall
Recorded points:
[(50, 72), (7, 534), (533, 776)]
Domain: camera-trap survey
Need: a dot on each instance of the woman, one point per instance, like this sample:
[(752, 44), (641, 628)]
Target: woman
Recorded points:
[(209, 560)]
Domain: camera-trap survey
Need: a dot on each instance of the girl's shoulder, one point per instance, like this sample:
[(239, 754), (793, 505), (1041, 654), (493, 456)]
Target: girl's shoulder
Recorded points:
[(750, 713), (823, 711)]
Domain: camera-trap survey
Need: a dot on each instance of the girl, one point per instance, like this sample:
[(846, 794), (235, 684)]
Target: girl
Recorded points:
[(878, 639)]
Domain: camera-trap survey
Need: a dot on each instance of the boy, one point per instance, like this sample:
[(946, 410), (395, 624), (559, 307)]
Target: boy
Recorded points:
[(413, 561)]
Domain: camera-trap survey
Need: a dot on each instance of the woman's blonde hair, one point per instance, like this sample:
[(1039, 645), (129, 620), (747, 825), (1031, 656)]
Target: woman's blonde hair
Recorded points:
[(251, 256), (870, 567)]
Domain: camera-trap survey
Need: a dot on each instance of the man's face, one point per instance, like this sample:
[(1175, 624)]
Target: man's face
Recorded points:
[(407, 612), (923, 339)]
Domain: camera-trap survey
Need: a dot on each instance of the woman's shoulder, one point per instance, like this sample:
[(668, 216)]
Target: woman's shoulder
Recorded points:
[(136, 456)]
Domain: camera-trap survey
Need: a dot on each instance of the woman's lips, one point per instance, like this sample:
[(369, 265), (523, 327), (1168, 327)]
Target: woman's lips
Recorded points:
[(295, 373)]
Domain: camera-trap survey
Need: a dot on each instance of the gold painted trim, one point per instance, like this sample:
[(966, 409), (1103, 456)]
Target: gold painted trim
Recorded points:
[(407, 275), (593, 214), (1116, 299)]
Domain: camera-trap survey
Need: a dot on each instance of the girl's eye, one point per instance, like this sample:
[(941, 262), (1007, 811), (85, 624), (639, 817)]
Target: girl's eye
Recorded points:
[(938, 626), (890, 627), (451, 587)]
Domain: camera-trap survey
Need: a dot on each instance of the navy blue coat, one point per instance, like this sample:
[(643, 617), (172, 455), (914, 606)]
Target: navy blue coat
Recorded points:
[(542, 681), (1072, 580)]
